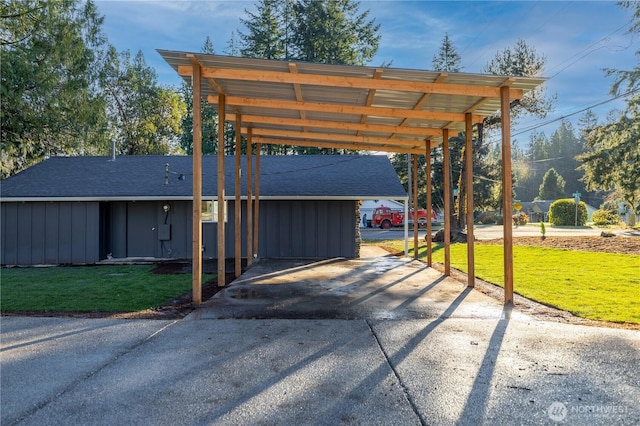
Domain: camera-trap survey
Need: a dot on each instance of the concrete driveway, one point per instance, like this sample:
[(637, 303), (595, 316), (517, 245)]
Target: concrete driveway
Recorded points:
[(389, 342)]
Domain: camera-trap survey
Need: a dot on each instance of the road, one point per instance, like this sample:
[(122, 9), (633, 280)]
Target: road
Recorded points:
[(482, 232)]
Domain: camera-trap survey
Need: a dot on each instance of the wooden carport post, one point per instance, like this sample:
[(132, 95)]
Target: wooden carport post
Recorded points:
[(221, 209), (256, 218), (446, 172), (468, 159), (415, 206), (249, 197), (427, 156), (237, 204), (196, 272), (507, 190)]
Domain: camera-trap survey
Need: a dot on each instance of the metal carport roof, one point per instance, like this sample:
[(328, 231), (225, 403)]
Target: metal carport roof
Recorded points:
[(346, 107)]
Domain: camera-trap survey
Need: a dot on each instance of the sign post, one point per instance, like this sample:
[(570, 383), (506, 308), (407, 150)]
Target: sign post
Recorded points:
[(576, 198)]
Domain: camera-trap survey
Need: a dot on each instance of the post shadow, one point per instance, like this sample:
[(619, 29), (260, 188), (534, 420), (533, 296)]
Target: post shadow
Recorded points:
[(476, 405)]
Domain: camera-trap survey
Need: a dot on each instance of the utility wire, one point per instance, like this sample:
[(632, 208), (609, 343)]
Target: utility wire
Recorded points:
[(536, 126), (545, 123), (588, 51)]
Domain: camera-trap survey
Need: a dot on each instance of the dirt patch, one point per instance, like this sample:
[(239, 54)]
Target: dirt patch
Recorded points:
[(618, 244)]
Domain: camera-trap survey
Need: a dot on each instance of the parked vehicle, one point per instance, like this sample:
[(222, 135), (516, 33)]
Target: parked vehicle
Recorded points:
[(386, 217)]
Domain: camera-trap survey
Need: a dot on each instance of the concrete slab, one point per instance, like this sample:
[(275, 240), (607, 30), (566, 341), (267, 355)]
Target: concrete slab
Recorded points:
[(518, 371), (43, 358), (233, 372), (377, 286)]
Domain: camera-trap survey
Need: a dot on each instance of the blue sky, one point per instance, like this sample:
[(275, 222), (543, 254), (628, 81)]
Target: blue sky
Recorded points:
[(578, 38)]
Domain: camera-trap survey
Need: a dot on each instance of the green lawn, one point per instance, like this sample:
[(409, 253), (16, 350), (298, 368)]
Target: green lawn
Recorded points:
[(119, 288), (599, 286)]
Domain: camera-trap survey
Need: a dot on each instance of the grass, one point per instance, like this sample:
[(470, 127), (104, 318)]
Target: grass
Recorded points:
[(598, 286), (128, 288)]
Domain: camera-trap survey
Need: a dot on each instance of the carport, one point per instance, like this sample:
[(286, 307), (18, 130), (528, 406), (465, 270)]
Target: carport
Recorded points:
[(344, 107)]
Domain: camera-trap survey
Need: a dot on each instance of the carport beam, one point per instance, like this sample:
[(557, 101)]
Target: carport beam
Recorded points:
[(249, 198), (427, 157), (468, 157), (507, 190), (406, 226), (446, 177), (196, 273), (256, 218), (221, 209), (237, 205), (415, 206)]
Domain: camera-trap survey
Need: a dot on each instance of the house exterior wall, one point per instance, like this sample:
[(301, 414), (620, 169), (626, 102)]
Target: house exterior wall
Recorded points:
[(37, 233), (87, 232), (307, 229), (134, 229)]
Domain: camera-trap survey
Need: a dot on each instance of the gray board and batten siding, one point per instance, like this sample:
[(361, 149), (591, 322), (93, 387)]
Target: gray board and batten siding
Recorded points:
[(80, 210)]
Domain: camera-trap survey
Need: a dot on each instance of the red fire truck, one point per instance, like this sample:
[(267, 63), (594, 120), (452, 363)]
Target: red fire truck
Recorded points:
[(386, 217)]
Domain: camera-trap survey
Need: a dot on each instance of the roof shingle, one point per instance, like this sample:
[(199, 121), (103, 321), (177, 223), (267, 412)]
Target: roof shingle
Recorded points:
[(135, 177)]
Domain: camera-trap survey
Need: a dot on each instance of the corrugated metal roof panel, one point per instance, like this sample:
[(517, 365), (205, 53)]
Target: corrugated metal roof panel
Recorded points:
[(377, 96)]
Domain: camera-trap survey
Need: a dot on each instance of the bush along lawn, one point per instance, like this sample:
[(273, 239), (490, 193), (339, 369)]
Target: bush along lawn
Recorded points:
[(128, 288), (598, 286)]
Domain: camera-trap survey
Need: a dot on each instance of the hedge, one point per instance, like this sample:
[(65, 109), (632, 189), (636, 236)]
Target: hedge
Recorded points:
[(563, 213)]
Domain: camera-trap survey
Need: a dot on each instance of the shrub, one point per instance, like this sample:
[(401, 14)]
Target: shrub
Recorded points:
[(563, 213), (488, 219), (604, 217), (520, 219), (498, 220)]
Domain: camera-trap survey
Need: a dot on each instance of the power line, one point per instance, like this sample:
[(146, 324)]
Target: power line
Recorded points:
[(545, 123), (528, 129), (588, 50)]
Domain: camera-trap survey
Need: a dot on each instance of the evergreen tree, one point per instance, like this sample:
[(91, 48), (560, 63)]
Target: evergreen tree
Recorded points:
[(49, 102), (233, 45), (208, 113), (207, 46), (324, 31), (447, 59), (521, 61), (264, 38), (613, 155), (564, 146), (628, 78), (528, 169), (613, 152), (333, 32), (144, 117), (552, 186)]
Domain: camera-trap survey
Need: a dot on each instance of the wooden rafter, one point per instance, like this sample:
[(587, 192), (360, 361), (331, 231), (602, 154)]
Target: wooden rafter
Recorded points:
[(338, 137), (342, 109), (424, 99), (377, 74), (341, 145), (293, 69), (350, 82), (341, 125)]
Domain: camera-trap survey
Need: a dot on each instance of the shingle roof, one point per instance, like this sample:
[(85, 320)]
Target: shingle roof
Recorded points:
[(143, 177)]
